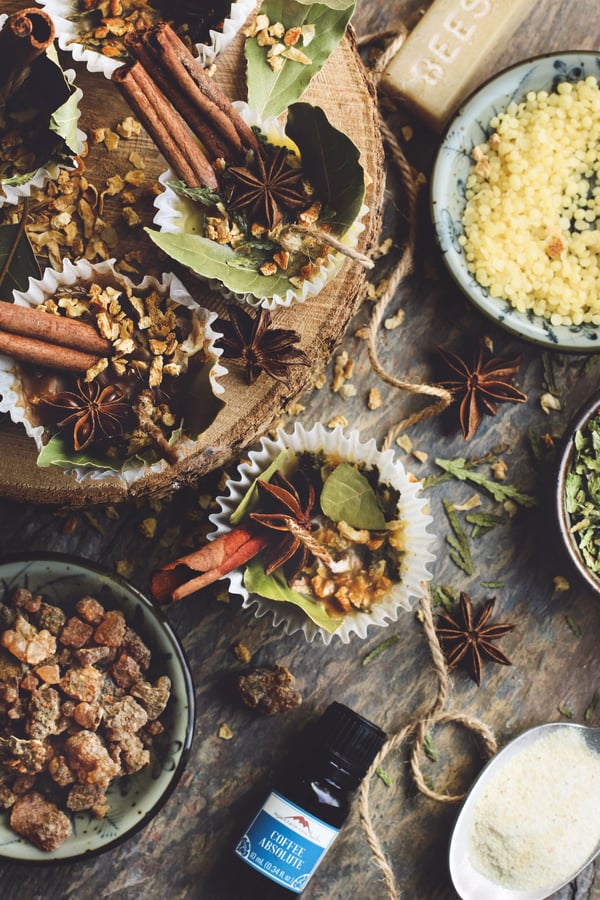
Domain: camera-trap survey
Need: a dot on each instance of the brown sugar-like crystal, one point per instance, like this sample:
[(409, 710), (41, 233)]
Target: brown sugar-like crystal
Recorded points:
[(269, 690)]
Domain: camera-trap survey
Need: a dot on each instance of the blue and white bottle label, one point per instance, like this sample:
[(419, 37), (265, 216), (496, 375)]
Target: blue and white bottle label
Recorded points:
[(285, 843)]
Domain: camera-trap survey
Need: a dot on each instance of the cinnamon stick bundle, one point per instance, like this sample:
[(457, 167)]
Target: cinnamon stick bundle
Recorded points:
[(187, 85), (179, 105), (36, 323), (177, 580), (138, 45), (33, 336), (165, 126), (25, 36), (41, 353)]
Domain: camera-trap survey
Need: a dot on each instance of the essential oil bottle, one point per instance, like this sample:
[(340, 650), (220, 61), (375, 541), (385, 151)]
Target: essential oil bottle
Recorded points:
[(301, 817)]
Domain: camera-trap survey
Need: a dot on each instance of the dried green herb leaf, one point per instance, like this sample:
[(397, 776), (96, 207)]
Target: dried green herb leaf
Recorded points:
[(348, 497), (331, 161), (250, 498), (429, 749), (458, 540), (271, 93), (385, 776), (275, 587), (442, 596), (565, 711), (582, 493), (380, 648), (574, 626), (592, 706), (492, 584), (203, 195), (459, 469), (483, 522), (221, 262), (492, 456)]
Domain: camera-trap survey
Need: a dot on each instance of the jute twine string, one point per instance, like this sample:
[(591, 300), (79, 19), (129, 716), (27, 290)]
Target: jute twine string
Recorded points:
[(416, 730), (404, 265)]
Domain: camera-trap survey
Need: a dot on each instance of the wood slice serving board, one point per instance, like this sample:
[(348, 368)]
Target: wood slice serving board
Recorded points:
[(342, 89)]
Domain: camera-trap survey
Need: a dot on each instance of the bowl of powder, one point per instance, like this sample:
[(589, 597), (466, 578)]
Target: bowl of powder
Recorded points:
[(531, 821), (515, 200)]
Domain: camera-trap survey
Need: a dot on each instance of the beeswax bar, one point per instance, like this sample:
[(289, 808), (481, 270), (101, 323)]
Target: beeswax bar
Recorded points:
[(442, 59)]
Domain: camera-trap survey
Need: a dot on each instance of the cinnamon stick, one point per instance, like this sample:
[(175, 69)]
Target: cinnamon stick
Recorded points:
[(185, 71), (25, 36), (165, 126), (137, 44), (36, 323), (51, 356), (174, 580)]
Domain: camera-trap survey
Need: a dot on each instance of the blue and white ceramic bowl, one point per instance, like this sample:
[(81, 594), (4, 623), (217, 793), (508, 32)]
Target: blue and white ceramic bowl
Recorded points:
[(134, 800), (453, 163)]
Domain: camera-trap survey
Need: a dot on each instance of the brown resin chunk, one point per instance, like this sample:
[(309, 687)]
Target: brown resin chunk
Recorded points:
[(269, 690), (40, 822)]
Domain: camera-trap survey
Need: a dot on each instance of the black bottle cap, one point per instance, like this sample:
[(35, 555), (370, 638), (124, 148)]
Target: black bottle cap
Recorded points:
[(350, 737)]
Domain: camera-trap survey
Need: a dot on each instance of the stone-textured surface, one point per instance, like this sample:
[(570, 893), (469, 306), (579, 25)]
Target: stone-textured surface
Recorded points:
[(185, 852)]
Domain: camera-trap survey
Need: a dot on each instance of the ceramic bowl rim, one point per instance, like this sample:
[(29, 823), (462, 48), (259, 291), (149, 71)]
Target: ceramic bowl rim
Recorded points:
[(565, 458), (93, 568), (527, 326)]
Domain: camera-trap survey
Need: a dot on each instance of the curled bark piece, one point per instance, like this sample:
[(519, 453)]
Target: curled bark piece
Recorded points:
[(35, 323), (25, 36), (165, 126), (176, 579), (137, 44), (41, 353), (185, 71)]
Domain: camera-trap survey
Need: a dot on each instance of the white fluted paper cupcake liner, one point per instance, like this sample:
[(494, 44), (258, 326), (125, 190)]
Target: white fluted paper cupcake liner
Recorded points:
[(412, 511), (179, 215), (14, 193), (12, 399), (67, 30)]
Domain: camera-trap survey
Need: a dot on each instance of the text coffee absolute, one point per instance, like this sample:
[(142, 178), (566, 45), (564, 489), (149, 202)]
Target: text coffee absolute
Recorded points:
[(300, 819)]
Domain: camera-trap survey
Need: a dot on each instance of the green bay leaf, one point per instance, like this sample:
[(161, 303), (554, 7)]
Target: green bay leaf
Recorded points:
[(331, 162), (212, 260), (57, 452), (250, 498), (270, 93), (347, 496), (275, 587)]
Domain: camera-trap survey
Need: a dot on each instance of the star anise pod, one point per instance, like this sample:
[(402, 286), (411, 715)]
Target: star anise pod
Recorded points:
[(259, 346), (468, 639), (265, 191), (286, 509), (94, 411), (480, 387)]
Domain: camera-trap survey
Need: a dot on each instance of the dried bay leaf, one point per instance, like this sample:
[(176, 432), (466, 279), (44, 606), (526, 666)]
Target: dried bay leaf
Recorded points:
[(271, 93), (347, 496), (331, 162), (275, 587)]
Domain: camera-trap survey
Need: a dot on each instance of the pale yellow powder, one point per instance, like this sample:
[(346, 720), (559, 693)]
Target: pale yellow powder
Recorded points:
[(530, 221)]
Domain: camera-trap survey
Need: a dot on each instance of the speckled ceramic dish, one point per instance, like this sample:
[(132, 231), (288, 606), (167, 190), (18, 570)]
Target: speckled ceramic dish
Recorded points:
[(469, 128), (566, 459), (134, 800)]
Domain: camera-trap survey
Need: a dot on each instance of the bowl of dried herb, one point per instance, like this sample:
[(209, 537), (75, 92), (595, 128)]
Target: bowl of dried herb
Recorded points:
[(577, 495)]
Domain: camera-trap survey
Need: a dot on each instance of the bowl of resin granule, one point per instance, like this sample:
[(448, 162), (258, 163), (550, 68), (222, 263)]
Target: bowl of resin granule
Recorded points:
[(514, 202)]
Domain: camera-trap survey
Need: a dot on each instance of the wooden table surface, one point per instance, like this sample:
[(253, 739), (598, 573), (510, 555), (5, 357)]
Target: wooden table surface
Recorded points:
[(185, 851)]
